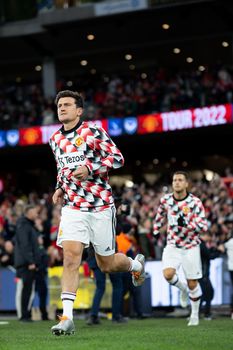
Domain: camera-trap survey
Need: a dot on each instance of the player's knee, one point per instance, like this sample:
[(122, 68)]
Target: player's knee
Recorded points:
[(192, 284), (168, 274)]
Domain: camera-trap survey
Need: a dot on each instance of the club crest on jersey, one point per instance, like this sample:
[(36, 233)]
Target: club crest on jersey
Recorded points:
[(79, 141), (186, 210)]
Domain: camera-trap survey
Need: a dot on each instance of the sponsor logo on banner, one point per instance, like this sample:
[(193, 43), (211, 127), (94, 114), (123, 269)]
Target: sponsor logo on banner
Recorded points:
[(130, 125), (12, 137), (2, 139), (115, 126), (30, 136), (149, 123)]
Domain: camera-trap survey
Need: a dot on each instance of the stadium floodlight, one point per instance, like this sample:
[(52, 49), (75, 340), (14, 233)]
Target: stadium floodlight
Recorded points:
[(225, 44), (90, 37), (128, 57), (83, 62), (201, 68), (189, 59), (165, 26), (176, 50)]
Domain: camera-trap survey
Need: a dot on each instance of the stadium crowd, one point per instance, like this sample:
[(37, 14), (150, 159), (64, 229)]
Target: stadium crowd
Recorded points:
[(143, 201), (23, 104)]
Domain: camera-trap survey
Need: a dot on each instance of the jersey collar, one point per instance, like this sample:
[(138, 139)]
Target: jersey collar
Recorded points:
[(180, 200), (64, 132)]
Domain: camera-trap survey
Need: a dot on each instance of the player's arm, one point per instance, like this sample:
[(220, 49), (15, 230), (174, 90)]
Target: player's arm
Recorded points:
[(111, 156), (198, 223), (159, 218)]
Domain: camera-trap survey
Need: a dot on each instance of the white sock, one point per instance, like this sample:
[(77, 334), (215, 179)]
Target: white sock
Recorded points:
[(195, 304), (68, 299), (177, 283), (195, 308), (135, 265)]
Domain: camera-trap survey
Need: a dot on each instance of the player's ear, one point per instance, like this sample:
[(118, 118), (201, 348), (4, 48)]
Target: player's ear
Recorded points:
[(79, 111)]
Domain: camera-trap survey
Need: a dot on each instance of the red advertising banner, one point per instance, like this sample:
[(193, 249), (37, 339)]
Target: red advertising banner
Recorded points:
[(30, 136), (149, 123)]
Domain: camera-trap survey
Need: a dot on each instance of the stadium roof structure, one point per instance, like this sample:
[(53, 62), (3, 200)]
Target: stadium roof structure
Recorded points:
[(202, 30)]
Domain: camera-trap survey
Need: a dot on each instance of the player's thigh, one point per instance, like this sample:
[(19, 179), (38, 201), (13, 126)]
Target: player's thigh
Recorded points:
[(191, 263), (171, 258), (74, 227), (103, 232)]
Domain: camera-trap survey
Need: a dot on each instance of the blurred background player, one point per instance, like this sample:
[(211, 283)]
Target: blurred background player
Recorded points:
[(84, 155), (185, 217)]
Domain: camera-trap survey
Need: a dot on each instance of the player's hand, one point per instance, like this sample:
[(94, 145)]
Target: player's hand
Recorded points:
[(58, 196), (81, 173)]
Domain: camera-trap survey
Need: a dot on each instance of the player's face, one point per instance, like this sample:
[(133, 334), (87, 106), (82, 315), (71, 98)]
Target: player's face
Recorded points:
[(67, 110), (179, 183)]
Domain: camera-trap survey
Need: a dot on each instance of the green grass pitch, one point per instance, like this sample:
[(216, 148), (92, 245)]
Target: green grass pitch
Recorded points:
[(148, 334)]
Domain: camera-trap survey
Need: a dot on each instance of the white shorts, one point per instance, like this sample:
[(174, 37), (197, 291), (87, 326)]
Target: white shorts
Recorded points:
[(189, 259), (95, 227)]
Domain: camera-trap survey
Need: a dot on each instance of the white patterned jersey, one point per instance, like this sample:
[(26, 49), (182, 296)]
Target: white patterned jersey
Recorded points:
[(185, 220), (90, 146)]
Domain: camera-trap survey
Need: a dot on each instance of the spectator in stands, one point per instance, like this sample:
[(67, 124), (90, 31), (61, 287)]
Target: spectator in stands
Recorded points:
[(26, 259), (207, 253), (228, 245), (41, 279), (119, 96), (55, 252)]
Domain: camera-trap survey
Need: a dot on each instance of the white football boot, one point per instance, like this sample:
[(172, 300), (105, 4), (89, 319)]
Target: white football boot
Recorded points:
[(64, 327), (193, 321), (138, 278)]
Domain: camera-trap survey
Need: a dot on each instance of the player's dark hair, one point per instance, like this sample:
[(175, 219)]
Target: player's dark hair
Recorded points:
[(68, 93), (181, 172)]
